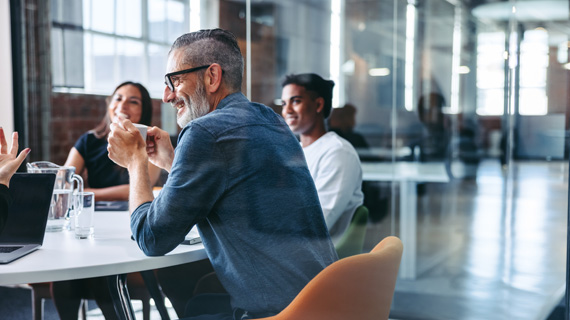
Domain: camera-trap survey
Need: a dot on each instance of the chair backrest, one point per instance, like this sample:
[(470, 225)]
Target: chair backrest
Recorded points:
[(358, 287), (352, 241)]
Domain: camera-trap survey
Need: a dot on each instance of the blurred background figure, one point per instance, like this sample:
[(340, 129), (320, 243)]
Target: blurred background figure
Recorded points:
[(433, 144), (342, 121)]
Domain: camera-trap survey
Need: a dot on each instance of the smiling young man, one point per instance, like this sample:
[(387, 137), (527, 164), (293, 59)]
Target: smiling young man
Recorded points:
[(237, 172), (333, 162)]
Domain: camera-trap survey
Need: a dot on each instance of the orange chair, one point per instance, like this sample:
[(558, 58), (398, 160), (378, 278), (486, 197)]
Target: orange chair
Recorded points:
[(358, 287)]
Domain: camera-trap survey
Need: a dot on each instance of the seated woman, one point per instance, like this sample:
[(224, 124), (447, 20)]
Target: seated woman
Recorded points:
[(109, 182)]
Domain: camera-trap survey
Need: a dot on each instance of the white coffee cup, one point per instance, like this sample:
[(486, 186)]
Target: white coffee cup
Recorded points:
[(142, 129)]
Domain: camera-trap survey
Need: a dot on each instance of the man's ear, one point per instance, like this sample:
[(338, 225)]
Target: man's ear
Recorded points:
[(320, 101), (213, 78)]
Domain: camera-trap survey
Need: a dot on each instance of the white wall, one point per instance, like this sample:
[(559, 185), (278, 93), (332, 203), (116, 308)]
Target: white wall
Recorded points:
[(6, 94)]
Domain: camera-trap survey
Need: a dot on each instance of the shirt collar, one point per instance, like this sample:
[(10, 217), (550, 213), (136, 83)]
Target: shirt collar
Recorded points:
[(235, 97)]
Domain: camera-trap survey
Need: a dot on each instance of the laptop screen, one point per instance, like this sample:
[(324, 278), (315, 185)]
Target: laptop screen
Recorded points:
[(27, 215)]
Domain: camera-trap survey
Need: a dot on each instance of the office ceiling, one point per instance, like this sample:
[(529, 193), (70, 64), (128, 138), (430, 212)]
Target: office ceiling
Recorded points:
[(525, 10)]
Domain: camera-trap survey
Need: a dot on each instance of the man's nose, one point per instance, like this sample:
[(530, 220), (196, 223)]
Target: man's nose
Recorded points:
[(168, 95)]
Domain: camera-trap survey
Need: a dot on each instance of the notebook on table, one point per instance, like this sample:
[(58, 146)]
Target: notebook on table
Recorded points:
[(111, 205), (27, 215)]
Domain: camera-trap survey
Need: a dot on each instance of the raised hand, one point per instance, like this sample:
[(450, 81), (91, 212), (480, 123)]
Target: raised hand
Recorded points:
[(159, 148), (126, 145), (10, 160)]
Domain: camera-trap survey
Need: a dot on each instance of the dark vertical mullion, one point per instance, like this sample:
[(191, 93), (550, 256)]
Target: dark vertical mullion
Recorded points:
[(567, 297), (18, 84)]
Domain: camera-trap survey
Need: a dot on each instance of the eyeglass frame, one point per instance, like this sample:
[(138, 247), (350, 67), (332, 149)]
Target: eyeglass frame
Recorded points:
[(168, 81)]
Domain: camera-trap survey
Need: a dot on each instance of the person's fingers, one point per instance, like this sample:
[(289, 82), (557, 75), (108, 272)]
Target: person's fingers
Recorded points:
[(111, 139), (23, 154), (128, 125), (14, 147), (3, 144), (111, 153), (150, 135), (154, 132)]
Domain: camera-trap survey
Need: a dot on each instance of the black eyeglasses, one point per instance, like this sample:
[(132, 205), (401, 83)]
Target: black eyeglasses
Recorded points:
[(172, 83)]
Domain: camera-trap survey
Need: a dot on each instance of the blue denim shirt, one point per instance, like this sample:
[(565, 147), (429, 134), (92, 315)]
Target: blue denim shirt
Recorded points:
[(240, 174)]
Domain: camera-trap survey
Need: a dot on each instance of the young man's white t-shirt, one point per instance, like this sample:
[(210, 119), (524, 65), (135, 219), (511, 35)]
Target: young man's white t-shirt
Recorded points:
[(335, 168)]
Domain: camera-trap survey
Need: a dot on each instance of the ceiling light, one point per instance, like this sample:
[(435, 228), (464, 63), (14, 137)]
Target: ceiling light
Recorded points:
[(379, 72), (464, 70)]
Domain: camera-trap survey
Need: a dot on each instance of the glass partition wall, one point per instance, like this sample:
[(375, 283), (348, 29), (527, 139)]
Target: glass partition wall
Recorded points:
[(476, 91), (458, 109)]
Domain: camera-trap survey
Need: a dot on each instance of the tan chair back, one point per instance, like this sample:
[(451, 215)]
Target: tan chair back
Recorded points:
[(358, 287)]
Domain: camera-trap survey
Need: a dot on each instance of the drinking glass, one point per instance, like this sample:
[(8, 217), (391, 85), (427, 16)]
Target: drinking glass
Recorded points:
[(84, 215)]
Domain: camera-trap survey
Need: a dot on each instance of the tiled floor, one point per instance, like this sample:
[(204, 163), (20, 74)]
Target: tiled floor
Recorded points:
[(15, 304), (494, 258), (95, 314)]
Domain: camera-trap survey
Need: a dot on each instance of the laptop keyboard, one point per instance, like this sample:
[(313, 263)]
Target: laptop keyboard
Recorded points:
[(9, 249)]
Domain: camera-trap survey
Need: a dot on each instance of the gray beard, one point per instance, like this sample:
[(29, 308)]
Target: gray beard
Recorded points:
[(196, 106)]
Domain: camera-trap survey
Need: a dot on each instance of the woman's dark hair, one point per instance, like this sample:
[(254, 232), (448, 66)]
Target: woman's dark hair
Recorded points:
[(315, 84), (103, 128)]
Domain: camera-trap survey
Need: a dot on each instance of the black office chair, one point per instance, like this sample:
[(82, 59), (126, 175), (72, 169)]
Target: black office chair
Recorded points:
[(137, 291)]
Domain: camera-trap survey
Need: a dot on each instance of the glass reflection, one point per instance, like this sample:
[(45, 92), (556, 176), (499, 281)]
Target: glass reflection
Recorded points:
[(433, 81), (478, 87)]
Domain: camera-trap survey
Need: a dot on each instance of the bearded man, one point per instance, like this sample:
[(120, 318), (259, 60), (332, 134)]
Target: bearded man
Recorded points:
[(238, 173)]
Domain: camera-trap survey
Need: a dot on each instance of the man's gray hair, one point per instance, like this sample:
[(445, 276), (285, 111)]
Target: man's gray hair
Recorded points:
[(219, 46)]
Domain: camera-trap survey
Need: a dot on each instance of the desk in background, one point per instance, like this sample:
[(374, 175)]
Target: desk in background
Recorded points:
[(381, 153), (408, 175)]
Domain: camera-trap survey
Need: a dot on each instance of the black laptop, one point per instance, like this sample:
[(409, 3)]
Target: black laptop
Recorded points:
[(27, 216)]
